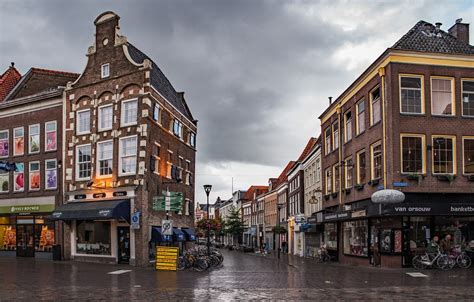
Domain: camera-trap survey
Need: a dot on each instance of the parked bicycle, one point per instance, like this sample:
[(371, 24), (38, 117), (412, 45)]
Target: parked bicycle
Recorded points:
[(198, 259), (433, 260), (460, 258)]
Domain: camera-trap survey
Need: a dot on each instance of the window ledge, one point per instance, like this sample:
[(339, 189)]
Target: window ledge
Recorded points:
[(443, 116), (467, 116), (373, 125), (357, 135), (413, 114)]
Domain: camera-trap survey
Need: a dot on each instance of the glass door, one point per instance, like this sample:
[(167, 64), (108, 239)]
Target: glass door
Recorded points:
[(123, 244), (25, 240)]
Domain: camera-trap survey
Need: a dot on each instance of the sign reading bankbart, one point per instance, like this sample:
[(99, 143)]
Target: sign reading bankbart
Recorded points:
[(166, 258)]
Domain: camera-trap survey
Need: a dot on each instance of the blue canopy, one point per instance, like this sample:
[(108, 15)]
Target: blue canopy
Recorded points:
[(178, 235), (189, 234), (157, 236)]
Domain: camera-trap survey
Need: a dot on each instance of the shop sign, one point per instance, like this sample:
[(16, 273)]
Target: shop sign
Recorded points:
[(168, 201), (104, 213), (80, 196), (166, 258), (135, 220), (120, 194), (337, 216), (361, 213), (98, 195), (26, 209), (429, 209), (400, 184)]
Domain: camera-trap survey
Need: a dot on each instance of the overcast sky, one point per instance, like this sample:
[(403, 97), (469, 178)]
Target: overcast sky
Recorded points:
[(256, 74)]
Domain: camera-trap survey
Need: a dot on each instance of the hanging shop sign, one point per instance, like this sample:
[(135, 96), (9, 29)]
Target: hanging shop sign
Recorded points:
[(135, 220), (337, 216), (168, 201), (166, 258), (98, 195), (80, 196), (120, 194)]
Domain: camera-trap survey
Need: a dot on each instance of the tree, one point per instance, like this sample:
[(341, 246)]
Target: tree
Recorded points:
[(233, 224), (214, 225)]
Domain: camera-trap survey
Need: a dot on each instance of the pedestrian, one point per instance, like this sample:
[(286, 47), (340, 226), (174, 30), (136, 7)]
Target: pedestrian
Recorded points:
[(446, 244), (283, 246)]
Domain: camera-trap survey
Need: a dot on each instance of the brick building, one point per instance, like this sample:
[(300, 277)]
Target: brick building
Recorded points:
[(130, 138), (406, 123), (253, 213), (31, 119)]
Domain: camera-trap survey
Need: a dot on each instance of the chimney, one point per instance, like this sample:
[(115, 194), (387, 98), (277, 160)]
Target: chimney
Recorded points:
[(460, 31), (330, 100)]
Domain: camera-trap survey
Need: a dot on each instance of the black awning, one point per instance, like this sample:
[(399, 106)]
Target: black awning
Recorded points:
[(93, 210), (190, 235)]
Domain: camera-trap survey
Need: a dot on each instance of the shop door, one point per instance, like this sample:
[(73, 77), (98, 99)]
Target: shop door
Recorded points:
[(123, 244), (25, 240)]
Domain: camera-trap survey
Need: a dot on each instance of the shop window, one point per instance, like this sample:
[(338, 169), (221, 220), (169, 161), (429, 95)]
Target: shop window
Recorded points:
[(34, 141), (442, 96), (328, 180), (129, 113), (360, 119), (348, 126), (106, 114), (327, 140), (51, 139), (411, 90), (44, 237), (361, 167), (93, 237), (467, 98), (413, 153), (128, 155), (468, 155), (376, 163), (356, 238), (4, 181), (83, 122), (330, 235), (443, 155), (19, 178), (461, 230), (7, 234), (34, 176), (51, 174), (18, 141), (349, 172), (335, 135), (83, 162), (4, 143), (375, 106), (105, 158)]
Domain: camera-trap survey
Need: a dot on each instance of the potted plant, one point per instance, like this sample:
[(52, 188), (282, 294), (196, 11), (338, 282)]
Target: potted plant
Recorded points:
[(446, 177), (347, 191), (470, 177), (334, 194), (374, 182), (326, 197), (359, 187)]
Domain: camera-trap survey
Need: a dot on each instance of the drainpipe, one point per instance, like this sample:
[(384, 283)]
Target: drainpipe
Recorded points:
[(339, 137), (384, 126)]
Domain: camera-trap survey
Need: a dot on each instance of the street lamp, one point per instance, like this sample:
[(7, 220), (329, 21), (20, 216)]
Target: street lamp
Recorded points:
[(207, 189), (279, 207)]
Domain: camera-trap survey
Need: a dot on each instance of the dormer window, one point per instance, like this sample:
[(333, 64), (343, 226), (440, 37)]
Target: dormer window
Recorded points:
[(105, 70)]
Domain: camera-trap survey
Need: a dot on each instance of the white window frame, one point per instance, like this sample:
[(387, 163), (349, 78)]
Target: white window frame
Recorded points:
[(77, 163), (46, 173), (422, 92), (79, 124), (453, 99), (156, 107), (122, 113), (14, 176), (98, 160), (46, 135), (157, 159), (358, 121), (120, 173), (105, 73), (462, 93), (99, 126), (8, 140), (454, 151), (14, 140), (29, 138), (192, 139), (30, 171), (423, 151)]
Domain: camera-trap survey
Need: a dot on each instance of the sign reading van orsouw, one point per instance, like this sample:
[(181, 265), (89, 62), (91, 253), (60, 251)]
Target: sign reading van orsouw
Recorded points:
[(168, 201), (166, 258)]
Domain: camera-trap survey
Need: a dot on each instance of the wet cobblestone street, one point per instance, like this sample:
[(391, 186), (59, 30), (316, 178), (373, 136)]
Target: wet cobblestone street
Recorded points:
[(243, 277)]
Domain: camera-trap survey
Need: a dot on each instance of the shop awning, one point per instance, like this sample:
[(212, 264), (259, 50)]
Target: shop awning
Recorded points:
[(189, 234), (178, 235), (93, 210), (157, 236)]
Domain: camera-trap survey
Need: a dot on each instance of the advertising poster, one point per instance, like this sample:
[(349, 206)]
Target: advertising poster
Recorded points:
[(19, 145), (4, 179), (3, 147), (51, 141), (398, 241), (51, 179), (34, 143), (19, 177), (35, 180)]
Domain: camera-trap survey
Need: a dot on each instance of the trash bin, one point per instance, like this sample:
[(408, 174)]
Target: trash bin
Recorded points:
[(57, 252)]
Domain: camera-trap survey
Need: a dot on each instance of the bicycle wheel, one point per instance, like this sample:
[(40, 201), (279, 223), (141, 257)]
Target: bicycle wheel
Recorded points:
[(181, 265), (418, 263), (200, 265), (464, 261), (444, 262)]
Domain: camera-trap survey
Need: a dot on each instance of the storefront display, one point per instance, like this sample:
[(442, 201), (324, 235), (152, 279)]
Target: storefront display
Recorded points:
[(21, 231), (330, 235), (93, 237), (355, 238)]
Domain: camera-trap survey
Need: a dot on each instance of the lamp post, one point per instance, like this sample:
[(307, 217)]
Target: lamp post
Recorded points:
[(207, 189), (279, 207)]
